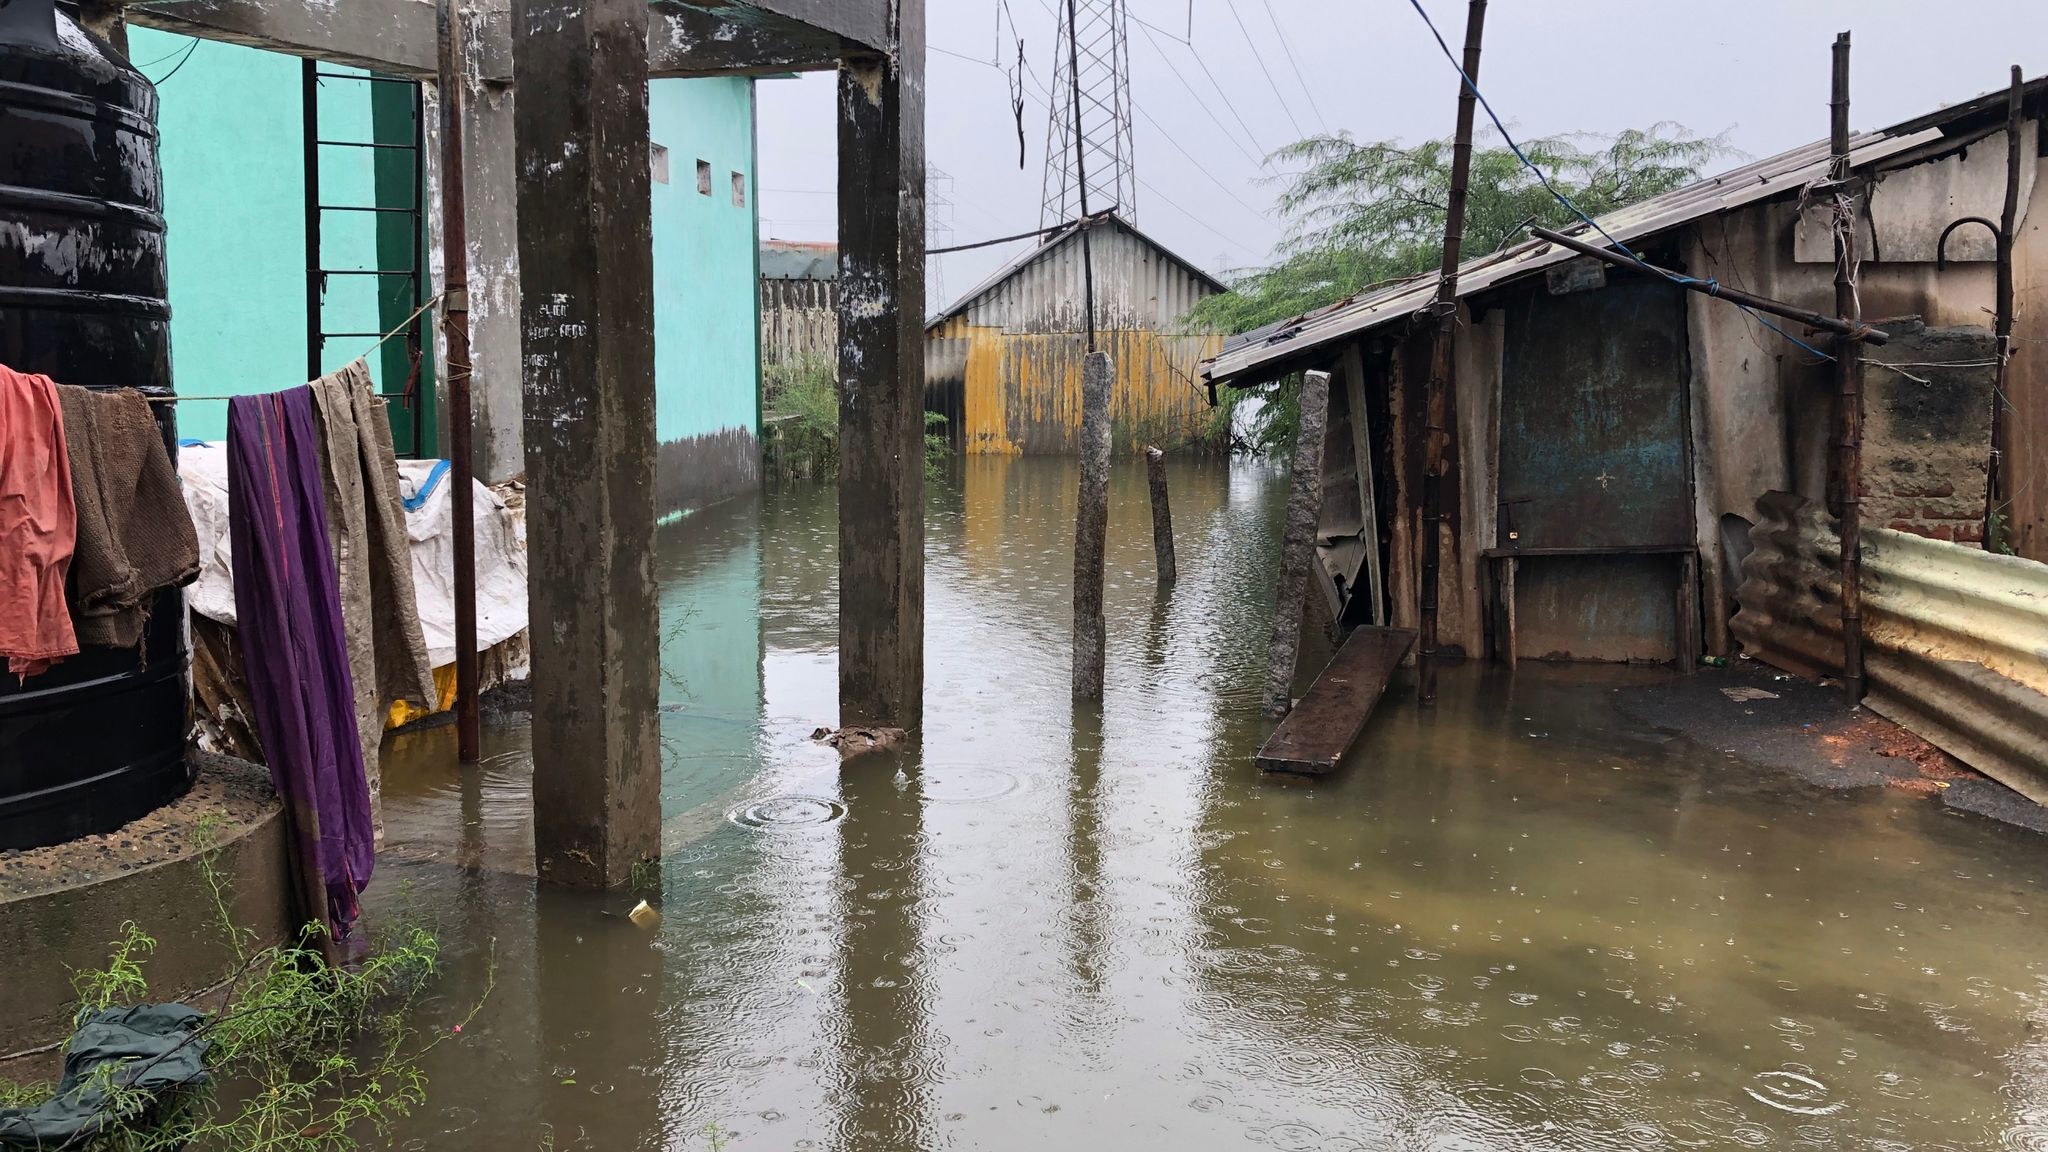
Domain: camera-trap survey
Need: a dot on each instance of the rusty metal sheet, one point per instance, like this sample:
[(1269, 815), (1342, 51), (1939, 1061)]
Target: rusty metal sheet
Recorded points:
[(1592, 437), (1955, 638), (1619, 609)]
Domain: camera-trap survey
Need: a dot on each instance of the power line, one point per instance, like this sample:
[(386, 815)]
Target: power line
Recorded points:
[(1199, 166), (964, 56), (1230, 104), (1149, 187), (1272, 83), (1564, 200), (1295, 64), (1179, 75)]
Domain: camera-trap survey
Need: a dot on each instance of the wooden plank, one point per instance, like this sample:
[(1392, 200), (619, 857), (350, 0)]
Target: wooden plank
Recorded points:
[(1322, 728), (1361, 455)]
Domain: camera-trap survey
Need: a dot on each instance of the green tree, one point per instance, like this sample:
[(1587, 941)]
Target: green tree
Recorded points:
[(1361, 215)]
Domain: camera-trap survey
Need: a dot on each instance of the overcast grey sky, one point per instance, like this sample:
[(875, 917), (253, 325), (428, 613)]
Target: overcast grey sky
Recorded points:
[(1754, 69)]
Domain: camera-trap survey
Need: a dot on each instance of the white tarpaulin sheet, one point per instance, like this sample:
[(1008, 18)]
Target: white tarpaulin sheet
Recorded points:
[(500, 550)]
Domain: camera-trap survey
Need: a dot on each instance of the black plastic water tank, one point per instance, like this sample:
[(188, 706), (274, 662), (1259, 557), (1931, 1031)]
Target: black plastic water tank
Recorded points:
[(100, 738)]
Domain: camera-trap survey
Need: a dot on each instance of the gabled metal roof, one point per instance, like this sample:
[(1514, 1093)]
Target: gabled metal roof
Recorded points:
[(1055, 239), (1781, 174)]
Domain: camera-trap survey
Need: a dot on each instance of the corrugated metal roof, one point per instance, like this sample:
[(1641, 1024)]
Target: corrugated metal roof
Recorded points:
[(799, 260), (1054, 240), (1781, 174)]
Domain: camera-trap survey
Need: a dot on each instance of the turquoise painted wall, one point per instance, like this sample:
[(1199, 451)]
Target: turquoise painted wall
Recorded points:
[(706, 350), (236, 224), (232, 139), (234, 191)]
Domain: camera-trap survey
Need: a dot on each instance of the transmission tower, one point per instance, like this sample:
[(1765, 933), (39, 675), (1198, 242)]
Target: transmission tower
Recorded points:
[(1102, 49), (938, 232)]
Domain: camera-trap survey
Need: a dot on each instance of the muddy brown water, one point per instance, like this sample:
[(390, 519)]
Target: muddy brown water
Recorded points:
[(1516, 921)]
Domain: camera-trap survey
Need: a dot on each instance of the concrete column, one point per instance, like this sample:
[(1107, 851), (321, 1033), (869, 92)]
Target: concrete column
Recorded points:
[(881, 381), (491, 203), (1091, 526), (1298, 542), (586, 261)]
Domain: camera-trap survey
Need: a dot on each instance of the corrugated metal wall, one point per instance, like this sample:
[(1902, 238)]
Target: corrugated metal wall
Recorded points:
[(1006, 369), (1953, 635), (799, 320)]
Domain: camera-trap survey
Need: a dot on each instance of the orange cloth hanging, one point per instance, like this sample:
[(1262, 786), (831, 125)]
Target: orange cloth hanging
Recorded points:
[(38, 525)]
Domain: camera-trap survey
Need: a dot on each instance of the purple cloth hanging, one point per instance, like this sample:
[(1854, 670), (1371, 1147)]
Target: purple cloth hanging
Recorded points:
[(294, 655)]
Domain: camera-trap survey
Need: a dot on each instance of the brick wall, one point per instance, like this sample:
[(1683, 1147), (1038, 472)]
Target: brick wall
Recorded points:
[(1927, 430)]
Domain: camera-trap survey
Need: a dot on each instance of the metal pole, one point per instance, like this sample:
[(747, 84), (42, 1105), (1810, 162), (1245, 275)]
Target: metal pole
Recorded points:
[(309, 119), (455, 326), (1994, 472), (1437, 430), (1806, 316), (1081, 174), (1849, 378)]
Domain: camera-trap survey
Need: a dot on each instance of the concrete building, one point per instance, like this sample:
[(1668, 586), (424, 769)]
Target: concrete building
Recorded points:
[(1003, 363), (1613, 432), (244, 195)]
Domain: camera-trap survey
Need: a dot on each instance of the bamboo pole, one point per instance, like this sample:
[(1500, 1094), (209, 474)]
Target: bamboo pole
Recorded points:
[(1437, 432)]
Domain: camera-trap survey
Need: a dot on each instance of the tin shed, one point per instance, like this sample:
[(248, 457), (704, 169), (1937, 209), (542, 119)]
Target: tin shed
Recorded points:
[(1003, 363)]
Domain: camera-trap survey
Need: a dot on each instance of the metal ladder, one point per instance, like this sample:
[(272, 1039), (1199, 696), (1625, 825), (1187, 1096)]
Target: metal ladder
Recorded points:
[(399, 269)]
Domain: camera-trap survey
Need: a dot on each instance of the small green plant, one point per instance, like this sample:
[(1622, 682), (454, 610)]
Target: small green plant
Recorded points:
[(935, 446), (800, 406), (800, 398), (301, 1057)]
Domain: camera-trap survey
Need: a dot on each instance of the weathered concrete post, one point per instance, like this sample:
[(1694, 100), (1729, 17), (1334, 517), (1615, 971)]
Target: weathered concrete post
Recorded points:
[(881, 381), (1162, 518), (1298, 542), (1091, 526), (586, 259)]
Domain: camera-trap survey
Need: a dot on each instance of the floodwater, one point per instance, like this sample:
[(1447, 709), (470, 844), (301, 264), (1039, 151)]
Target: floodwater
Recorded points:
[(1515, 921)]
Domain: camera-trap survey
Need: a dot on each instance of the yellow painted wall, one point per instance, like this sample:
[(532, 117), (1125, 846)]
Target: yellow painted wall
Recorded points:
[(1022, 391)]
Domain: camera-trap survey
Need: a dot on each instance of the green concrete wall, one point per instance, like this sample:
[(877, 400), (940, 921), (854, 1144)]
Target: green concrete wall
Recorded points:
[(706, 345), (231, 122), (234, 188)]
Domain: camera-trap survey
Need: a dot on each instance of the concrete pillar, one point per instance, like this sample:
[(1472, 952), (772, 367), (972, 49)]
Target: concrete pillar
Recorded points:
[(586, 261), (1091, 526), (1298, 542), (881, 381), (491, 202)]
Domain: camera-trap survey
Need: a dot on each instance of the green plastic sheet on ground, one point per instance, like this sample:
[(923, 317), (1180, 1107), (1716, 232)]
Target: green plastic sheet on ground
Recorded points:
[(154, 1048)]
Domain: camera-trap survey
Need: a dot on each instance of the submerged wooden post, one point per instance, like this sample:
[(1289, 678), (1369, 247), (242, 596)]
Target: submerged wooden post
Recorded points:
[(1091, 525), (586, 282), (1162, 518), (1298, 542), (881, 381)]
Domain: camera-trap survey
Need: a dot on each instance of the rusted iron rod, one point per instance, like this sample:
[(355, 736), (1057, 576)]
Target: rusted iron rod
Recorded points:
[(455, 329), (1849, 377), (1994, 472), (1436, 440), (1806, 316)]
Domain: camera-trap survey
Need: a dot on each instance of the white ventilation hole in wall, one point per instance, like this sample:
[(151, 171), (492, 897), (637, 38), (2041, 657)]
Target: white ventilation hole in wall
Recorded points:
[(704, 177), (660, 157), (739, 189)]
